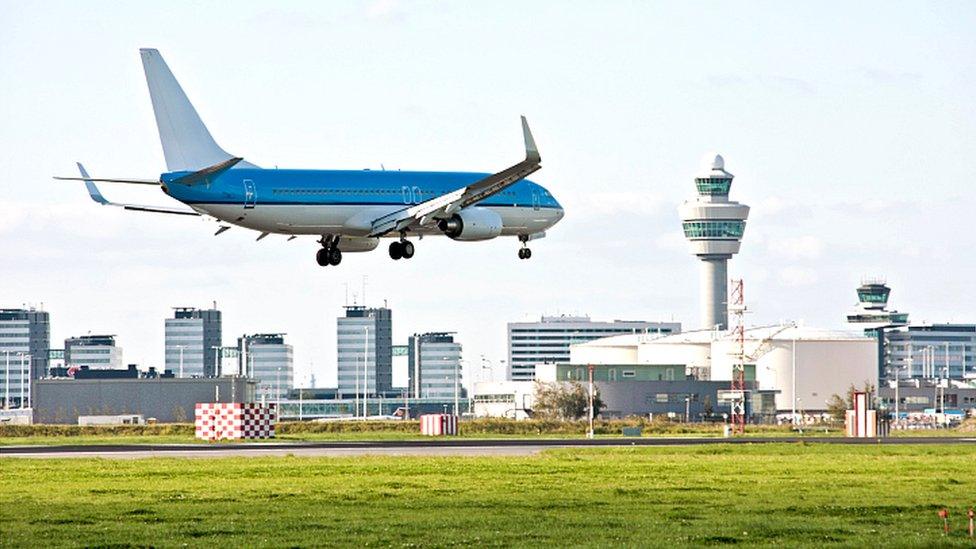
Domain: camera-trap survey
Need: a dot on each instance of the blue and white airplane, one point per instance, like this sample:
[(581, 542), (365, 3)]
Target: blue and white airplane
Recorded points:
[(348, 210)]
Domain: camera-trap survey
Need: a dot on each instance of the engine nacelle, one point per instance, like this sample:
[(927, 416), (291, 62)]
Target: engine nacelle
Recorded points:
[(472, 224)]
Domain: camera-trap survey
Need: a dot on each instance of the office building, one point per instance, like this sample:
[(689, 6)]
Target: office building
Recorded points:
[(193, 339), (931, 351), (25, 338), (434, 367), (548, 341), (364, 343), (713, 226), (94, 351), (268, 360)]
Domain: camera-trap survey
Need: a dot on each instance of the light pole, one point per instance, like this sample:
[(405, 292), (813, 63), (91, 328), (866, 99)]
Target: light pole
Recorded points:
[(6, 383), (21, 380), (181, 347), (278, 390), (589, 433), (30, 363), (687, 409), (365, 372), (793, 389), (216, 349)]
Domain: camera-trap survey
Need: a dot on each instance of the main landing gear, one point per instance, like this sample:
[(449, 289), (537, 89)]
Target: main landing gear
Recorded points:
[(402, 248), (330, 253), (524, 252)]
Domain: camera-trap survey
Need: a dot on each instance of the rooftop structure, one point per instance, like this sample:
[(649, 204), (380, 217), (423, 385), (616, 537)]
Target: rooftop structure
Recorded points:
[(713, 226)]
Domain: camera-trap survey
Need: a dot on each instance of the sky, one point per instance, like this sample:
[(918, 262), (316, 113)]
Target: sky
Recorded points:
[(850, 128)]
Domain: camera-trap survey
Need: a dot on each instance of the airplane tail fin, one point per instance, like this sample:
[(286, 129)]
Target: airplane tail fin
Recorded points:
[(187, 144)]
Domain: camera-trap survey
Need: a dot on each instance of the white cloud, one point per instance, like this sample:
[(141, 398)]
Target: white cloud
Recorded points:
[(795, 277), (795, 247)]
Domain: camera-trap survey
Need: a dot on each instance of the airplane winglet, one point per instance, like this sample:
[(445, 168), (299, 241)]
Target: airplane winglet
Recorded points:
[(93, 191), (531, 151)]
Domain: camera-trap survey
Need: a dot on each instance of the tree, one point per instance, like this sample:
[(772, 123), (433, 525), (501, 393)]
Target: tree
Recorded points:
[(837, 406), (565, 401)]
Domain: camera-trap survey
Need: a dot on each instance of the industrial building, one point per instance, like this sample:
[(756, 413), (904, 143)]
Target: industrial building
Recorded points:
[(193, 340), (802, 367), (364, 343), (626, 390), (269, 361), (434, 365), (714, 226), (548, 341), (93, 351), (167, 399)]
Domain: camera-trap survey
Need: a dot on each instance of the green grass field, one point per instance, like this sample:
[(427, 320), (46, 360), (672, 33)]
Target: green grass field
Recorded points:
[(785, 494)]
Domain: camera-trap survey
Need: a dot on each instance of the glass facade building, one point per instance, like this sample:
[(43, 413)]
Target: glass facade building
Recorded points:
[(434, 367), (25, 338), (931, 351), (193, 337), (548, 341), (364, 345), (97, 352), (268, 360)]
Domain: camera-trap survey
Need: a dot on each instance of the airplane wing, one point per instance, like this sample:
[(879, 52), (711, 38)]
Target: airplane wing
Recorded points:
[(96, 195), (428, 212)]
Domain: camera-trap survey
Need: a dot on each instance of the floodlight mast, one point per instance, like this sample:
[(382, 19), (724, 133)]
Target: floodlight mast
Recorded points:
[(738, 310)]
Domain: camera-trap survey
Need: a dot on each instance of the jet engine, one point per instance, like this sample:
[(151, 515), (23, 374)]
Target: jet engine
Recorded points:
[(472, 224)]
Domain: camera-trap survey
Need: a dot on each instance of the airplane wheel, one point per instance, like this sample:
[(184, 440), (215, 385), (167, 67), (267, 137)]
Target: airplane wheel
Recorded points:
[(528, 253), (322, 257), (335, 256), (396, 251), (406, 248)]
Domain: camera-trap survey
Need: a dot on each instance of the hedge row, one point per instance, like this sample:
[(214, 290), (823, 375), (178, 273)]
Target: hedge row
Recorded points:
[(486, 426)]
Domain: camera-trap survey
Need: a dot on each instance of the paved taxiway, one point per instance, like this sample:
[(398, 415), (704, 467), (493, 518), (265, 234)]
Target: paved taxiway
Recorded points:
[(434, 447)]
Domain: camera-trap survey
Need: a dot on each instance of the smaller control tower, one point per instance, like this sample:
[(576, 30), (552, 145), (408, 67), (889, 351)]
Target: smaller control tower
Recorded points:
[(713, 226), (872, 308)]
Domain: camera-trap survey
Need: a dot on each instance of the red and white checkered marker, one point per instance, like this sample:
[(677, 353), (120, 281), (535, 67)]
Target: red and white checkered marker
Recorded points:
[(438, 424), (234, 420)]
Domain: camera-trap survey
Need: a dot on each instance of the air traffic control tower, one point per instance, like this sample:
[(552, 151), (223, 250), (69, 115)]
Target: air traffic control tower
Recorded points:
[(713, 226)]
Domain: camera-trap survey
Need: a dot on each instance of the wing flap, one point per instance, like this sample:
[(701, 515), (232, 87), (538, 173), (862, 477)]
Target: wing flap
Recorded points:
[(442, 206)]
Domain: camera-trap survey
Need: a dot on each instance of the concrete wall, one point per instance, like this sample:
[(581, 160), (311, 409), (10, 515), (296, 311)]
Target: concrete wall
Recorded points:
[(167, 400)]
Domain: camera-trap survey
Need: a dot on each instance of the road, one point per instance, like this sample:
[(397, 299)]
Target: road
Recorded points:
[(432, 447)]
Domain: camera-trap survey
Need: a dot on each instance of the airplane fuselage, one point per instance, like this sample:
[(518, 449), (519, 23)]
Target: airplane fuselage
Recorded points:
[(345, 202)]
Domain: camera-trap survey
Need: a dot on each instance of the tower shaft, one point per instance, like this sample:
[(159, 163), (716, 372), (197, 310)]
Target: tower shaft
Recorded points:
[(713, 288)]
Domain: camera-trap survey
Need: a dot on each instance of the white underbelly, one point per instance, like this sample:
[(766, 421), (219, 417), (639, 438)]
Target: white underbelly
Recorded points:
[(353, 220)]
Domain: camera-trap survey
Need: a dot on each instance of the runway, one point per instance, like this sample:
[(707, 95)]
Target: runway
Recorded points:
[(433, 447)]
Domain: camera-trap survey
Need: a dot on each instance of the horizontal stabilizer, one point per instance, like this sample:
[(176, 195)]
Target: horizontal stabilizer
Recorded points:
[(102, 180), (97, 196)]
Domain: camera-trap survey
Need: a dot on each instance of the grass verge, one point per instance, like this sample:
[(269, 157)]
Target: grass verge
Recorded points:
[(784, 494)]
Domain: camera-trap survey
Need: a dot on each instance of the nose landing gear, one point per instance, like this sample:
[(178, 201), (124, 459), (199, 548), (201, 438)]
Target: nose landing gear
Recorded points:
[(329, 254), (524, 252)]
